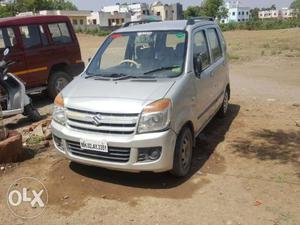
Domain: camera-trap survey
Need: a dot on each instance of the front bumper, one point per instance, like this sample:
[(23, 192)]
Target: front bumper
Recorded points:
[(166, 140)]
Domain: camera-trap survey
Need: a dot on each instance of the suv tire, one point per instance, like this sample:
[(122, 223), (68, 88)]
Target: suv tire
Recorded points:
[(224, 107), (183, 153), (58, 80)]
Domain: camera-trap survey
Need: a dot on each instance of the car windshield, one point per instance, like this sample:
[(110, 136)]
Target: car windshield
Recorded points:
[(155, 54)]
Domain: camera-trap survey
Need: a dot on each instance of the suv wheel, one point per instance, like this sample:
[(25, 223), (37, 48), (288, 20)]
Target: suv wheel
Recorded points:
[(183, 153), (224, 108), (58, 80)]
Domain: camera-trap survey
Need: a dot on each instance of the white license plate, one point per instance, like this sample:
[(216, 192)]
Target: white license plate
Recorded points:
[(98, 146)]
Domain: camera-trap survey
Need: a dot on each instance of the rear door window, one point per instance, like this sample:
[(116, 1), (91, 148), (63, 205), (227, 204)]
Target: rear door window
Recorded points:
[(60, 33), (214, 43), (7, 38), (30, 36), (43, 36), (201, 48)]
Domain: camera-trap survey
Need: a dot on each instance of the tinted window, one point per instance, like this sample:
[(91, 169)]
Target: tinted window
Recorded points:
[(30, 36), (201, 48), (60, 33), (43, 36), (7, 38), (214, 44)]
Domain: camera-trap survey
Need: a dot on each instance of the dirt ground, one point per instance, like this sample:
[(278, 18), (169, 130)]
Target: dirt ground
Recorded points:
[(246, 168)]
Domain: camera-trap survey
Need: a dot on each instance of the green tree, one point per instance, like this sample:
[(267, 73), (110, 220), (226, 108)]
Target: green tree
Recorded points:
[(254, 13), (296, 7), (193, 11), (212, 8)]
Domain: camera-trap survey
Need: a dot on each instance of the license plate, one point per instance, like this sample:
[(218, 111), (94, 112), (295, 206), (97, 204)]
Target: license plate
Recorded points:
[(97, 146)]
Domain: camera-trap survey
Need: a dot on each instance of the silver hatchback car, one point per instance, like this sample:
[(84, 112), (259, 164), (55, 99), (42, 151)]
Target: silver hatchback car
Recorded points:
[(145, 96)]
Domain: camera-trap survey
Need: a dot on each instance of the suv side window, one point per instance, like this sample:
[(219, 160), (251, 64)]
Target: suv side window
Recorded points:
[(214, 43), (7, 38), (60, 33), (201, 48), (30, 36), (43, 36)]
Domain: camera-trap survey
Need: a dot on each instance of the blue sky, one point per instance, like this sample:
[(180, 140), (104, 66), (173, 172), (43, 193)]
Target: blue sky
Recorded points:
[(96, 4)]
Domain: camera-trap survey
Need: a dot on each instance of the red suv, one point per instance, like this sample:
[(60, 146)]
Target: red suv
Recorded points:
[(45, 50)]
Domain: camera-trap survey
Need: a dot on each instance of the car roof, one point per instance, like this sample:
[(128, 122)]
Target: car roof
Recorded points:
[(18, 20), (163, 25)]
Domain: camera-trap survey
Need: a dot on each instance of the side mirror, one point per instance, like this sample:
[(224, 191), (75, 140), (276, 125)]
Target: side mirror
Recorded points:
[(197, 65), (6, 52)]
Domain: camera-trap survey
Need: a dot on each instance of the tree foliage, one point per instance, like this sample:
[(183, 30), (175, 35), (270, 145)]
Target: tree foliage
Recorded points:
[(296, 7), (254, 13), (210, 8), (16, 6)]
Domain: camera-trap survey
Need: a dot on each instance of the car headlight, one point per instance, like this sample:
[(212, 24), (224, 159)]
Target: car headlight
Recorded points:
[(59, 114), (155, 116)]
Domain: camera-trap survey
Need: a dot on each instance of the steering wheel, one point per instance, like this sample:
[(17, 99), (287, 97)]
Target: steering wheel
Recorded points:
[(132, 62)]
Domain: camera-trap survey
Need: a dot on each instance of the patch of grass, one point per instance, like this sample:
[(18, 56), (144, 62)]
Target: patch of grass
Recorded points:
[(233, 57), (34, 140)]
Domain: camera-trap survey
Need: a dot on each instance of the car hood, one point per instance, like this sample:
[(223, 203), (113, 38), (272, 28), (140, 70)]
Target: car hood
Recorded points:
[(114, 96)]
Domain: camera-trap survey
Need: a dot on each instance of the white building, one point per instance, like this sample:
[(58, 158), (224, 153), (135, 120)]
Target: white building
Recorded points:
[(236, 13), (107, 19), (140, 8), (284, 13)]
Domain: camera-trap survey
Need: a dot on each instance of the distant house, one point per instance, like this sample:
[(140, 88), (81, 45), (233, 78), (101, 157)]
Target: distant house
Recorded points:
[(166, 11), (107, 19), (284, 13), (236, 13), (78, 18)]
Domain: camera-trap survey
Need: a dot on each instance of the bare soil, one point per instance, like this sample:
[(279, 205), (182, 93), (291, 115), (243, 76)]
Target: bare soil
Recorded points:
[(246, 168)]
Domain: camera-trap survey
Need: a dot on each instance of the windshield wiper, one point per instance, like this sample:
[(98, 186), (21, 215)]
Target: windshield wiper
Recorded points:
[(161, 69), (105, 76), (133, 77)]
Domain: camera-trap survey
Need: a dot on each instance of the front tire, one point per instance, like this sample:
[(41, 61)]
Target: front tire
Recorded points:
[(58, 80), (224, 107), (183, 153)]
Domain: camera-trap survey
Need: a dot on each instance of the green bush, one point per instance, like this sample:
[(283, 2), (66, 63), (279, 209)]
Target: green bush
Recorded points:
[(261, 25), (95, 32)]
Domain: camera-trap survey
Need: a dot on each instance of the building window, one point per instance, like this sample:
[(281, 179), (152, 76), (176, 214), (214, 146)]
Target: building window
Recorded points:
[(122, 20), (81, 22), (243, 13), (158, 13), (239, 13), (94, 22), (144, 12), (75, 22), (247, 13), (233, 13)]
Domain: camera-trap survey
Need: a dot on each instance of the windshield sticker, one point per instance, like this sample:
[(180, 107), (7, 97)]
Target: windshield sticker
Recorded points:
[(180, 35), (113, 36)]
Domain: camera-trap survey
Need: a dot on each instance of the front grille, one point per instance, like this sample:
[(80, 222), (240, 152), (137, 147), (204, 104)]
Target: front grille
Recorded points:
[(109, 123), (114, 154)]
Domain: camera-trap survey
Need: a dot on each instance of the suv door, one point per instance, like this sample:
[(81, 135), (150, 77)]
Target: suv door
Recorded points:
[(37, 64), (203, 79), (218, 64), (9, 39)]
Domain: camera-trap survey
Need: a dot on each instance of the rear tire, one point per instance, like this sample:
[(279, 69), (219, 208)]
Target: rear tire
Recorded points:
[(224, 107), (58, 80), (183, 153)]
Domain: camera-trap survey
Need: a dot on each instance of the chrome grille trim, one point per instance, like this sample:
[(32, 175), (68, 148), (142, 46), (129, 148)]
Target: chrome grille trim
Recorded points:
[(110, 122)]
